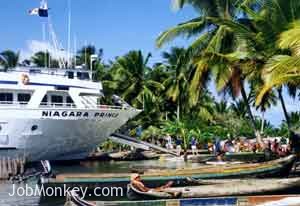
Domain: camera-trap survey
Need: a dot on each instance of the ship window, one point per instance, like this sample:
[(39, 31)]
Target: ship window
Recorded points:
[(70, 75), (6, 98), (24, 98), (83, 75), (56, 99), (70, 100), (35, 71), (45, 100)]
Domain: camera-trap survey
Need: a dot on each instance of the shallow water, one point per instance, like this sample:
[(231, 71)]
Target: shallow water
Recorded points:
[(83, 167)]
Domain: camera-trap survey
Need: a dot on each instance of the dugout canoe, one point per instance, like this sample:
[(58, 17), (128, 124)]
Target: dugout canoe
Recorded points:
[(230, 157), (133, 155), (266, 200), (234, 188), (73, 199), (154, 178)]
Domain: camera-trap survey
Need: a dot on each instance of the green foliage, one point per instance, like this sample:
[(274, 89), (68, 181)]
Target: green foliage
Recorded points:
[(9, 59), (249, 49), (42, 59)]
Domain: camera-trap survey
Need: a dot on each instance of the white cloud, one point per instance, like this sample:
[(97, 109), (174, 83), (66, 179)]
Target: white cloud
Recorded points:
[(34, 46)]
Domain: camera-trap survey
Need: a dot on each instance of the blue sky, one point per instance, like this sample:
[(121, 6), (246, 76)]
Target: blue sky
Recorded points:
[(117, 26)]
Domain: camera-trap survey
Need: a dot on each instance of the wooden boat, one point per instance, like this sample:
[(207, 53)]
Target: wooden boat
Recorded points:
[(154, 178), (99, 156), (234, 188), (73, 199), (266, 200), (133, 155), (230, 157)]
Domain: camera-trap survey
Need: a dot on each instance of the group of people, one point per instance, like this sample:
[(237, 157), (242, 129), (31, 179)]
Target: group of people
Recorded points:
[(178, 144), (275, 145)]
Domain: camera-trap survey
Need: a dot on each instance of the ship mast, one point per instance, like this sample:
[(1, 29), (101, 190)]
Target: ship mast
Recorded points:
[(69, 61)]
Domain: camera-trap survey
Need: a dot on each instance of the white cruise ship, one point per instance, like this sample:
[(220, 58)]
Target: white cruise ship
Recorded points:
[(48, 114)]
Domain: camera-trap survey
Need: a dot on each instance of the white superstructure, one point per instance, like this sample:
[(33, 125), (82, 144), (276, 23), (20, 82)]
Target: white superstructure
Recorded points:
[(48, 114)]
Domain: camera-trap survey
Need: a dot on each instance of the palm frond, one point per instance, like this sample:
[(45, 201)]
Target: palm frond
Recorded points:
[(290, 39), (184, 29), (196, 82)]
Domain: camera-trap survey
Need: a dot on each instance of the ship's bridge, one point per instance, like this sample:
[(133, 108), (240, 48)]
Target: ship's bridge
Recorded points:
[(64, 88)]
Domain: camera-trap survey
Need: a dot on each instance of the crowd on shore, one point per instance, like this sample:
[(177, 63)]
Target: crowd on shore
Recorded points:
[(278, 146)]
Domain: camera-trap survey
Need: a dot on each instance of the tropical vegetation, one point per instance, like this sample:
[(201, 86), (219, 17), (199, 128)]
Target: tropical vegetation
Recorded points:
[(248, 49)]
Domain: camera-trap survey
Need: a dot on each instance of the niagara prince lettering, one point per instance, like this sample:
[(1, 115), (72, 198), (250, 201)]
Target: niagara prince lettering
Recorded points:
[(68, 114)]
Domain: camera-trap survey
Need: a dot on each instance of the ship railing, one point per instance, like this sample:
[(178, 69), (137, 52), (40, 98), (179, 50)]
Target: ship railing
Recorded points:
[(70, 105), (57, 105), (61, 105), (52, 72), (13, 103)]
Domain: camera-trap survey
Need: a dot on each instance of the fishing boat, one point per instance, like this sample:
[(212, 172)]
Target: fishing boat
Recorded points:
[(154, 178), (73, 199), (227, 188), (133, 155), (230, 157), (264, 200)]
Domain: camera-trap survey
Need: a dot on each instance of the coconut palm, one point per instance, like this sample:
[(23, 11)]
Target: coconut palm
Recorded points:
[(284, 68), (265, 21), (129, 77), (42, 59), (217, 49), (176, 84), (270, 99), (269, 23), (9, 59), (84, 54)]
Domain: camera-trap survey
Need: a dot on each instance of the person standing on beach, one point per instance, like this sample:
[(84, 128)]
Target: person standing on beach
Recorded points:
[(178, 146), (194, 146), (169, 142)]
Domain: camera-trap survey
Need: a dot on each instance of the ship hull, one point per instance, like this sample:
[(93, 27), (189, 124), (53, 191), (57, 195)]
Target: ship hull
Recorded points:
[(57, 134)]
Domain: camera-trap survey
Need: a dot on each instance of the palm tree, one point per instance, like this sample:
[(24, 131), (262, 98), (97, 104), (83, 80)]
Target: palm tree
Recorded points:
[(270, 99), (176, 84), (264, 21), (129, 77), (216, 49), (283, 68), (42, 59), (272, 54), (83, 56), (10, 59)]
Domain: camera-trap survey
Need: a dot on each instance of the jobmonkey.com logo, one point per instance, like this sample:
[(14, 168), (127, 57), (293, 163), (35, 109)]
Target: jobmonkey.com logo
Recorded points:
[(28, 191)]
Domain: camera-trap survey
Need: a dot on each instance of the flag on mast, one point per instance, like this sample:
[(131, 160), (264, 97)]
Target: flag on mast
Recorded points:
[(42, 11)]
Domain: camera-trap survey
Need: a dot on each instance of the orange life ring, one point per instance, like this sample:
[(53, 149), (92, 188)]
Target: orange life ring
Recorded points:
[(25, 79)]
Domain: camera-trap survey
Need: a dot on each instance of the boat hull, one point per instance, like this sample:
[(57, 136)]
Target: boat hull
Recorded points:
[(56, 137), (235, 188), (180, 177)]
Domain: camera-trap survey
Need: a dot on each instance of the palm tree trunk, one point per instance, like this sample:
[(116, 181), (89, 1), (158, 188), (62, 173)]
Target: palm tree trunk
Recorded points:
[(178, 110), (185, 155), (252, 121), (262, 122), (286, 115)]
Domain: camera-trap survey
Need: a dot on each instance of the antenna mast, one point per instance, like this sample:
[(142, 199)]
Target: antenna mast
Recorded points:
[(69, 34)]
